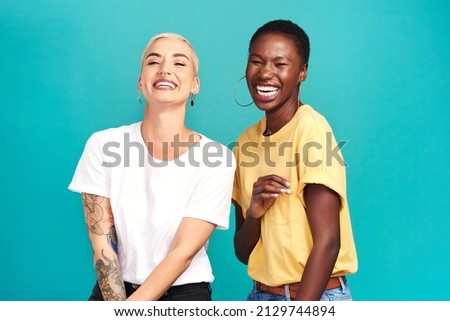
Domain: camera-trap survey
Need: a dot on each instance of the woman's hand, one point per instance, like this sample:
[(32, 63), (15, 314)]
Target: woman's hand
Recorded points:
[(265, 191)]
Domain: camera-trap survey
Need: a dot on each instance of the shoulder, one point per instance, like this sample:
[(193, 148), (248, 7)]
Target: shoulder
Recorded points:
[(206, 142), (215, 154), (253, 132), (311, 122), (110, 137)]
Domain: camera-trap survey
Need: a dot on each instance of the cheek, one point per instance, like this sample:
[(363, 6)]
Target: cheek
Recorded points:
[(145, 81), (185, 76), (144, 78), (250, 70), (148, 86), (289, 77)]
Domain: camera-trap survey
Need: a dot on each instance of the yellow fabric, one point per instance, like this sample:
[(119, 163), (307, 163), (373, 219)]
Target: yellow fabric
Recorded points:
[(297, 152)]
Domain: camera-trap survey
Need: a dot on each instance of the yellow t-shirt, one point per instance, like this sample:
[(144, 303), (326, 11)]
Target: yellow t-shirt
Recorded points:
[(303, 151)]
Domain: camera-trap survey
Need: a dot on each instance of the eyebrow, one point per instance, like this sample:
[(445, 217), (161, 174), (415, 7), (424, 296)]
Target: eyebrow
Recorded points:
[(275, 58), (154, 54), (181, 55), (262, 56)]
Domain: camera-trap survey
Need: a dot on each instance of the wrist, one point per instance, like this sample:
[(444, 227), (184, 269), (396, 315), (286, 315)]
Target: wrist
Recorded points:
[(252, 216)]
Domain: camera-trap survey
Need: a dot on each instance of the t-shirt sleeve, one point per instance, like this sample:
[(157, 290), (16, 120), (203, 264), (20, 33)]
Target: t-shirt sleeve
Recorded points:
[(211, 199), (91, 176), (322, 162)]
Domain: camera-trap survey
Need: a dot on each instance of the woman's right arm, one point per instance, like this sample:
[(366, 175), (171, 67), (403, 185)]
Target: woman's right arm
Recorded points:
[(100, 224), (246, 235)]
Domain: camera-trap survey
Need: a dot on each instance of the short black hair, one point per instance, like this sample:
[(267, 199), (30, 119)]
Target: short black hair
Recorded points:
[(290, 30)]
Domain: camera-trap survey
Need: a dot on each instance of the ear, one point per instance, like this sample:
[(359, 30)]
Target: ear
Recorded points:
[(303, 73), (139, 87), (196, 86)]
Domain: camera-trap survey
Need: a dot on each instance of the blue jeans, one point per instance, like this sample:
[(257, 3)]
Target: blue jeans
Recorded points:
[(341, 293)]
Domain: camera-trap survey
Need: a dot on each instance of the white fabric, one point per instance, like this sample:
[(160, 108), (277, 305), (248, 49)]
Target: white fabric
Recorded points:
[(149, 197)]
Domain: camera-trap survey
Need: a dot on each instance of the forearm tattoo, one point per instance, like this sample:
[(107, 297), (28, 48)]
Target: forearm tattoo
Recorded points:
[(110, 279), (108, 268)]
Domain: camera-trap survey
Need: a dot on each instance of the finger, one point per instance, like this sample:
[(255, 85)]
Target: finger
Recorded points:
[(270, 187), (275, 178), (268, 195)]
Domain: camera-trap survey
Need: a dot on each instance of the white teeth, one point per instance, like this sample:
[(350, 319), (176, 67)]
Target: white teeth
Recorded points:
[(267, 90), (165, 84)]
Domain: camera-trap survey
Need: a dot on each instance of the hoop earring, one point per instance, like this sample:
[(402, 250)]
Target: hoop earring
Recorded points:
[(192, 99), (234, 95), (139, 97)]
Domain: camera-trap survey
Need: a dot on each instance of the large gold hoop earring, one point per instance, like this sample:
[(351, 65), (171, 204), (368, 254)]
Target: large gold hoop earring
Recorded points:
[(234, 95)]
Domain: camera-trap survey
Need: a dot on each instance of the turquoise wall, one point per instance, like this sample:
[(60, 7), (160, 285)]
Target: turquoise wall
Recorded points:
[(379, 71)]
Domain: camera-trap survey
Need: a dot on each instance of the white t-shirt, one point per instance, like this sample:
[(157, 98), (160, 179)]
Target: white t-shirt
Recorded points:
[(149, 197)]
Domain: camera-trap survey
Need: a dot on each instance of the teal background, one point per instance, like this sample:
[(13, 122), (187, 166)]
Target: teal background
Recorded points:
[(379, 71)]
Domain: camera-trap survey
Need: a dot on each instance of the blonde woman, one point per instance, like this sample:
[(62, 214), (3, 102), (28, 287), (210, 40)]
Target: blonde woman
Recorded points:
[(154, 191)]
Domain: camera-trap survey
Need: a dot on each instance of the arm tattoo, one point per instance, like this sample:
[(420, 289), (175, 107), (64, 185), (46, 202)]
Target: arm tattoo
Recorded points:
[(108, 270), (112, 239), (110, 279), (93, 213)]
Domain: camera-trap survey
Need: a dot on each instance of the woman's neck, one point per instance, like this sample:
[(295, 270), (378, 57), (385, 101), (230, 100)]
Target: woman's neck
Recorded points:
[(163, 124), (277, 119), (165, 133)]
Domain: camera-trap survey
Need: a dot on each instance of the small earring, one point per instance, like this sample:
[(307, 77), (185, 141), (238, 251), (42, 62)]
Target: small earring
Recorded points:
[(234, 95), (139, 97), (192, 99)]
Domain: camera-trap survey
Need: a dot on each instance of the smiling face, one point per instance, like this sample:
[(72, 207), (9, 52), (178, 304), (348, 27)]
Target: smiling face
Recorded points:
[(274, 72), (168, 72)]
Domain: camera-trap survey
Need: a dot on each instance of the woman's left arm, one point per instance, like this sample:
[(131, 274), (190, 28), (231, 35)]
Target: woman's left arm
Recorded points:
[(322, 210), (191, 235)]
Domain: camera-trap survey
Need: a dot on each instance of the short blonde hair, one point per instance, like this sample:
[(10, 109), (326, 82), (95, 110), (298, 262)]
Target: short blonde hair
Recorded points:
[(196, 61)]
